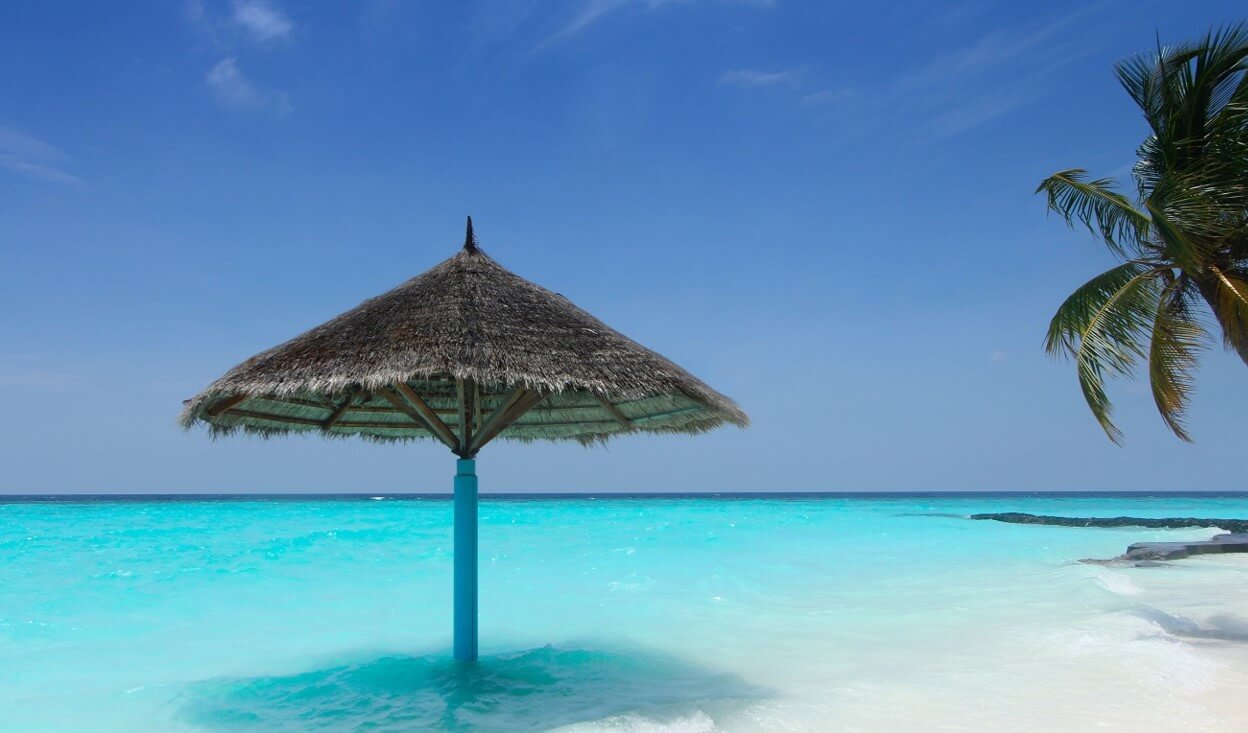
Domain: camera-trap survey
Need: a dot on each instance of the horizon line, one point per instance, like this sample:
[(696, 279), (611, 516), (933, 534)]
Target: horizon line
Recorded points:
[(446, 495)]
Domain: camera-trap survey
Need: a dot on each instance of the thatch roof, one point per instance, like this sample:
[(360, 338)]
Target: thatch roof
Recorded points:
[(465, 343)]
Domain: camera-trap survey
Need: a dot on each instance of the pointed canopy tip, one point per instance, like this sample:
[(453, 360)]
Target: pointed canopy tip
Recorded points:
[(470, 239)]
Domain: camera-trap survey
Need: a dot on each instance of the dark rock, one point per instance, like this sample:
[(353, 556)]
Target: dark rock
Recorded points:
[(1178, 550), (1236, 526), (1144, 554), (1153, 554)]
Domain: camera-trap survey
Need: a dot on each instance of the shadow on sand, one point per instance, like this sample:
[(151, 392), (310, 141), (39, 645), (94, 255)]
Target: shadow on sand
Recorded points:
[(535, 689)]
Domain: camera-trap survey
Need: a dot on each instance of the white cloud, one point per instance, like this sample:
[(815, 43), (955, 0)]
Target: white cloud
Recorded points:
[(998, 357), (990, 76), (977, 111), (233, 88), (31, 157), (38, 170), (261, 19), (15, 142), (591, 11), (756, 78), (974, 83)]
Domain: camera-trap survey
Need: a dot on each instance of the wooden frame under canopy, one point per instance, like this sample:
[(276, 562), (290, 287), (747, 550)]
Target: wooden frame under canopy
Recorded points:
[(436, 409)]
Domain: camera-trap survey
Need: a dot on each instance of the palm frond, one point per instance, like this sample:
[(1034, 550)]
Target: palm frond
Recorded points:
[(1220, 67), (1112, 343), (1180, 239), (1149, 166), (1079, 309), (1096, 205), (1231, 305), (1144, 77), (1174, 353), (1103, 326), (1192, 96), (1185, 239)]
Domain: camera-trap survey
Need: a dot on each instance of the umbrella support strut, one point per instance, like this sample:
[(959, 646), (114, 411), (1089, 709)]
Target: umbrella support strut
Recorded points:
[(465, 554)]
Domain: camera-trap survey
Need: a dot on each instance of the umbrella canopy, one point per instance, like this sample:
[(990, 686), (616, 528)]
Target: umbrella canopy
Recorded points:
[(464, 353)]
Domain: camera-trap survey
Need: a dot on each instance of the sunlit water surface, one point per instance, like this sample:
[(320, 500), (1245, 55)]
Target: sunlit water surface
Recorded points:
[(889, 613)]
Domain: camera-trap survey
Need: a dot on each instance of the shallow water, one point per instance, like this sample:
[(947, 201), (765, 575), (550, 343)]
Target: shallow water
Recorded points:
[(886, 613)]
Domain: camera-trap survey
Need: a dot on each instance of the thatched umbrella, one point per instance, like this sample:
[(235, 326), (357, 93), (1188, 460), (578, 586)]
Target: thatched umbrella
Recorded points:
[(463, 354)]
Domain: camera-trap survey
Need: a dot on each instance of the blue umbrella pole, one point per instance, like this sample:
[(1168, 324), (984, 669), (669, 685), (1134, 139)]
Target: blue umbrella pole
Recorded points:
[(466, 560)]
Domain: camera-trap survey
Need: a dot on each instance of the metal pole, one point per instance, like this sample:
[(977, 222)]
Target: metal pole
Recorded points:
[(466, 560)]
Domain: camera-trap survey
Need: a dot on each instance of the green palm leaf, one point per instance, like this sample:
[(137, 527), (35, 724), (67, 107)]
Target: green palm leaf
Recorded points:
[(1103, 325), (1177, 341), (1231, 304), (1096, 205), (1178, 243), (1185, 238), (1079, 310)]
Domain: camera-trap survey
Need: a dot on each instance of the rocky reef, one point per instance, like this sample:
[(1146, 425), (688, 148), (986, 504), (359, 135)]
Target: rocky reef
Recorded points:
[(1234, 526), (1147, 553)]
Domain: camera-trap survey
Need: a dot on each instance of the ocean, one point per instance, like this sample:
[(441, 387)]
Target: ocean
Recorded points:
[(874, 612)]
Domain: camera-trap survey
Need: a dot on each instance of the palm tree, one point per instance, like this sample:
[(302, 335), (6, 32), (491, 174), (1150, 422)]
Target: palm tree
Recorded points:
[(1183, 243)]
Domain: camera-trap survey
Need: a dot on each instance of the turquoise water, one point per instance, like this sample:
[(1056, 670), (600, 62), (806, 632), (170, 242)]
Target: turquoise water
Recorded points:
[(856, 614)]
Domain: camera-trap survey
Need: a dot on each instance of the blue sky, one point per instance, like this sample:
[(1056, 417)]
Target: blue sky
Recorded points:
[(824, 209)]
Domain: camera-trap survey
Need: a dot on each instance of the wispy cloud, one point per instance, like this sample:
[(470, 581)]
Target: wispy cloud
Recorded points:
[(988, 77), (970, 85), (978, 111), (589, 12), (262, 20), (232, 87), (973, 83), (756, 78), (33, 158), (992, 52)]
